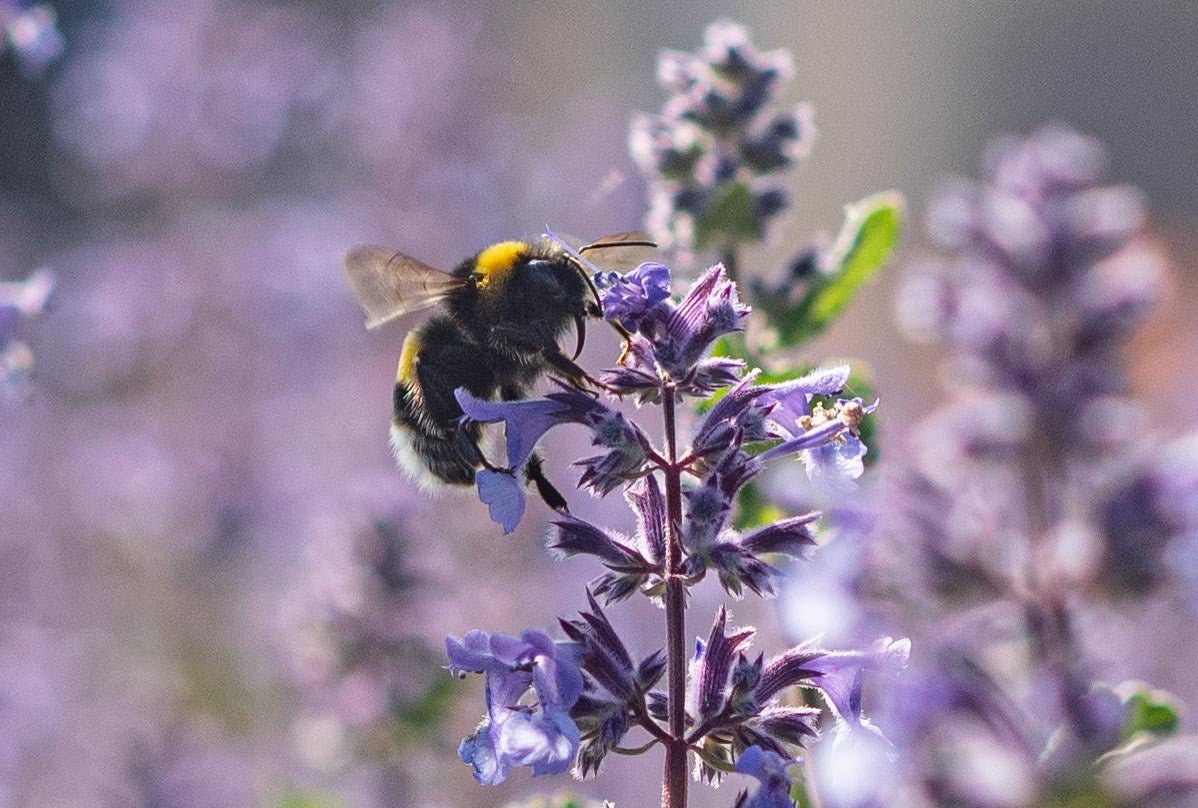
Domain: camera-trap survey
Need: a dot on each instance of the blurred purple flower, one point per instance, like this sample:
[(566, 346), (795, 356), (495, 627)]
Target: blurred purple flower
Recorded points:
[(32, 33), (770, 770), (714, 154), (20, 300)]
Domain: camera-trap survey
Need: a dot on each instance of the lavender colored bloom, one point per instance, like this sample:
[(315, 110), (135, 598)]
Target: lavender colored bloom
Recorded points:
[(770, 769), (829, 448), (524, 422), (632, 296), (503, 495), (838, 675), (709, 310), (20, 300), (541, 736), (671, 340), (527, 421), (32, 33), (714, 154)]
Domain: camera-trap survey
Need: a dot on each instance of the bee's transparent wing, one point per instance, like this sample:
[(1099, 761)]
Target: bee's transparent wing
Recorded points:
[(388, 283), (621, 251)]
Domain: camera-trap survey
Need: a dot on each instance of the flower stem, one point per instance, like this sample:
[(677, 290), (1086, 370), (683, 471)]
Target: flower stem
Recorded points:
[(673, 793)]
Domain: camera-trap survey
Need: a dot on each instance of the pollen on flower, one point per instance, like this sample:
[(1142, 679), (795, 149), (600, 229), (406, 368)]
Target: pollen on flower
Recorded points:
[(852, 414)]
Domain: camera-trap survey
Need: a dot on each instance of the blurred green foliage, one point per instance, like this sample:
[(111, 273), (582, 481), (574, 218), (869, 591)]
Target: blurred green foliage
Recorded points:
[(866, 241)]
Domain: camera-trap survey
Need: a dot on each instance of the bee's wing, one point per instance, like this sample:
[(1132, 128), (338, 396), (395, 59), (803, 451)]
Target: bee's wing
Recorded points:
[(388, 283), (620, 251)]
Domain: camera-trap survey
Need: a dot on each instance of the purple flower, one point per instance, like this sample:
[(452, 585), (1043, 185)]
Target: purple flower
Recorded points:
[(671, 340), (541, 736), (709, 310), (713, 156), (525, 422), (770, 770), (503, 495), (632, 296), (838, 675), (828, 445)]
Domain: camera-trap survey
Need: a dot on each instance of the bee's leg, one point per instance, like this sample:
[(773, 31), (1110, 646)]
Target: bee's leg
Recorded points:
[(572, 372), (534, 472), (468, 448)]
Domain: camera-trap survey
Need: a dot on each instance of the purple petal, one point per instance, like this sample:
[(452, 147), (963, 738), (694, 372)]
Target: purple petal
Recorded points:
[(632, 295), (478, 751), (840, 673), (834, 467), (792, 398), (769, 768), (472, 653), (504, 497), (524, 421)]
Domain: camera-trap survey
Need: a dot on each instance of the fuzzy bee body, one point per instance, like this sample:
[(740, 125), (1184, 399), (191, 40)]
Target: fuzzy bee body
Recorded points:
[(502, 312)]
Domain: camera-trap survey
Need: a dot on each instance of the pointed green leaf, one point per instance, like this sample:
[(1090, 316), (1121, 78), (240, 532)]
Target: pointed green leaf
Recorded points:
[(866, 241)]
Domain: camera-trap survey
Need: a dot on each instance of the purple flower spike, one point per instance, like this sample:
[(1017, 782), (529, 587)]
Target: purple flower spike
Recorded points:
[(770, 769), (504, 497)]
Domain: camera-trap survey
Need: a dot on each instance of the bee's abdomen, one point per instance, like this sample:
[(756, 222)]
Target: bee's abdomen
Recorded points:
[(436, 360), (428, 458)]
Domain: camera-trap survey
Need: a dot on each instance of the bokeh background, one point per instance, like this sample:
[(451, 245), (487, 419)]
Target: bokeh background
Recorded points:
[(199, 503)]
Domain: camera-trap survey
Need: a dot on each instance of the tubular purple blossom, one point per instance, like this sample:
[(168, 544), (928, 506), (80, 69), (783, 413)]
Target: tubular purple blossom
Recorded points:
[(542, 736)]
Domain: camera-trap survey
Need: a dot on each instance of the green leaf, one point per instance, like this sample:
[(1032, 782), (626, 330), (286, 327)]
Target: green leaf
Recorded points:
[(730, 218), (421, 717), (865, 243), (753, 510), (1155, 712)]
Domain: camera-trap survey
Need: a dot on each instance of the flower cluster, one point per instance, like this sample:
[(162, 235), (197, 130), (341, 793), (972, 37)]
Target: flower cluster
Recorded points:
[(19, 300), (32, 33), (713, 154), (1045, 284), (1035, 489), (553, 704)]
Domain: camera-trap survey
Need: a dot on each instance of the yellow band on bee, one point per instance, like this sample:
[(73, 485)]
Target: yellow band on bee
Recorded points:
[(496, 262), (406, 372)]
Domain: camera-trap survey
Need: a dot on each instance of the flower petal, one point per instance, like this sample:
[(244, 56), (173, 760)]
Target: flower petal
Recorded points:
[(504, 497)]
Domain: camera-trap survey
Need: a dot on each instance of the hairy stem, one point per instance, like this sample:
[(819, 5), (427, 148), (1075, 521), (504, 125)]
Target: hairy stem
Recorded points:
[(673, 793)]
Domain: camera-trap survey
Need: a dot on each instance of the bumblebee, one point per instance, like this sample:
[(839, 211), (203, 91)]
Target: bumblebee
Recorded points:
[(501, 313)]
